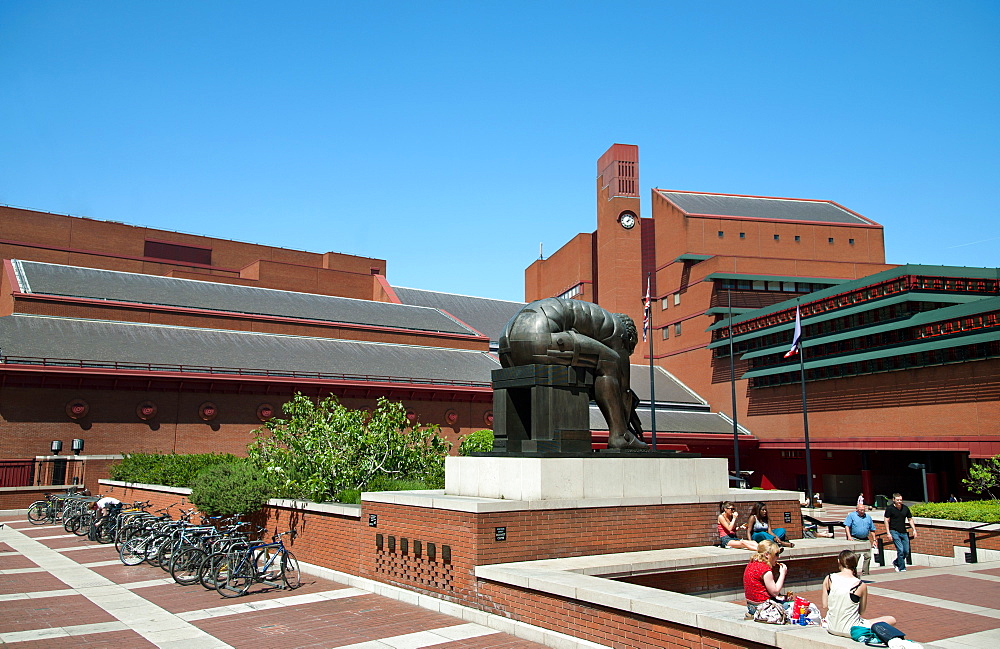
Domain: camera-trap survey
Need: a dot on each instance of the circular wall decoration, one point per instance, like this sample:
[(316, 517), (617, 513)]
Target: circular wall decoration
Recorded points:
[(77, 409), (208, 411), (411, 416), (265, 411), (451, 417), (146, 410), (488, 418)]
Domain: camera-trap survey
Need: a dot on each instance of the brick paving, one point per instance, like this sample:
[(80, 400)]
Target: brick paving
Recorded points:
[(320, 613), (956, 607)]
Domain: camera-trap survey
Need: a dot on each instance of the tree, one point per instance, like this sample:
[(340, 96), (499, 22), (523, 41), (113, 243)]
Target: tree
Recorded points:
[(479, 441), (984, 475), (323, 448)]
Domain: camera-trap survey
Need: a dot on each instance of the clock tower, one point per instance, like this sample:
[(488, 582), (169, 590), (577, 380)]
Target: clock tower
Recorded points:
[(619, 284)]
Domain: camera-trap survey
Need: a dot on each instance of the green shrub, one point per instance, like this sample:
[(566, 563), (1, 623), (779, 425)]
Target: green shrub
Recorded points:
[(235, 488), (977, 511), (353, 496), (169, 469), (325, 450), (479, 441)]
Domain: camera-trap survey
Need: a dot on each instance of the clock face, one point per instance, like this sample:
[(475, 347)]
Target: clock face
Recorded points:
[(627, 219)]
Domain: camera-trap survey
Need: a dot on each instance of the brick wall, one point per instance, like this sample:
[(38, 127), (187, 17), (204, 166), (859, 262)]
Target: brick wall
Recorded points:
[(606, 626)]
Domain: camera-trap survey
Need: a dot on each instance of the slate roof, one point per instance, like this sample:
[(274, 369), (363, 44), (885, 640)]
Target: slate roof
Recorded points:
[(668, 388), (674, 421), (782, 209), (485, 315), (139, 346), (72, 281)]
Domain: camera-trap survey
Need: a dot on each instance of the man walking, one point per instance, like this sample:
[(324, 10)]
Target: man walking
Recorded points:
[(896, 516), (859, 526)]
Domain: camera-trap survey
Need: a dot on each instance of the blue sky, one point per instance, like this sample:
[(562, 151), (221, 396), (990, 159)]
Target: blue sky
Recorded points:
[(450, 138)]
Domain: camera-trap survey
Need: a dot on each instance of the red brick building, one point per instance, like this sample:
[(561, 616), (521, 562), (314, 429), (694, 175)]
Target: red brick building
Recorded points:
[(136, 339), (705, 254)]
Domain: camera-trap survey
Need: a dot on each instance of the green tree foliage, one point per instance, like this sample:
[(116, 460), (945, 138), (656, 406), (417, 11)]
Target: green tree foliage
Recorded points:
[(478, 441), (238, 487), (322, 449), (170, 469), (984, 476)]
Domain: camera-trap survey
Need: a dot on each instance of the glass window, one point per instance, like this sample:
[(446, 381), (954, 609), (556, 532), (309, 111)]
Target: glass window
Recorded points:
[(759, 285), (721, 233), (663, 304), (850, 241), (788, 287), (798, 238), (830, 240), (774, 286), (677, 329), (777, 237), (677, 299), (665, 332), (743, 235), (744, 285)]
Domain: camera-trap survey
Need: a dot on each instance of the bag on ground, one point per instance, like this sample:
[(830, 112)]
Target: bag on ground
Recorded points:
[(771, 612), (886, 632)]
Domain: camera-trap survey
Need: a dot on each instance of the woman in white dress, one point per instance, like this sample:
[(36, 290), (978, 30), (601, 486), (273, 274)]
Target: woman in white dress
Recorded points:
[(845, 598)]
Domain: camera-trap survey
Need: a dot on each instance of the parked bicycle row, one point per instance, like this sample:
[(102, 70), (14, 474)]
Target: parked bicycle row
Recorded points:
[(223, 555)]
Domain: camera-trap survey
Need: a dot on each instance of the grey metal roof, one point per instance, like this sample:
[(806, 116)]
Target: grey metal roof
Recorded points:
[(488, 316), (667, 387), (673, 421), (762, 208), (72, 281), (142, 345)]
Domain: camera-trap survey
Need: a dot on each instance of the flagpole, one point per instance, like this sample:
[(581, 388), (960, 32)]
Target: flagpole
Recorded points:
[(652, 375), (732, 386), (805, 415)]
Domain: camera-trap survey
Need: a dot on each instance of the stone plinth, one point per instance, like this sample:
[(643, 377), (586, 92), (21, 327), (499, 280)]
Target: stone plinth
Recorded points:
[(599, 477)]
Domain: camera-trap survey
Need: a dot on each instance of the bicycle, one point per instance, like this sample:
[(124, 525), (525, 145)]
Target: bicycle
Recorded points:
[(263, 563)]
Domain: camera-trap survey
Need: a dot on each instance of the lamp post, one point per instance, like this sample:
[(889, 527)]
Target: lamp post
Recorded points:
[(923, 474), (77, 446), (55, 446)]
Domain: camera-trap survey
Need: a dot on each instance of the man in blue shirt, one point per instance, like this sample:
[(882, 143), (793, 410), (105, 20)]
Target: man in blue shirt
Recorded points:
[(859, 526)]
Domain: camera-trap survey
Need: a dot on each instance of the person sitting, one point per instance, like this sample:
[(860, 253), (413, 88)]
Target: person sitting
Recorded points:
[(845, 598), (760, 528), (759, 581), (729, 532)]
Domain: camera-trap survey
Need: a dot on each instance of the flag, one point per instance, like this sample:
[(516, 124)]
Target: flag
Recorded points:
[(797, 338), (645, 313)]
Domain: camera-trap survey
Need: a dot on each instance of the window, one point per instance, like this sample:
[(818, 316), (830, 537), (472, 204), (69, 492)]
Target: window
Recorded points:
[(798, 238), (573, 292), (774, 286), (665, 333), (788, 287), (744, 284), (759, 285), (777, 237), (721, 234), (677, 299), (830, 240), (677, 329), (664, 303), (743, 235), (850, 241)]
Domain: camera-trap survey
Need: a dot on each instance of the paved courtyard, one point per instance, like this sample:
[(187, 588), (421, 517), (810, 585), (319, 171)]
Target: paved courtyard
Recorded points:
[(59, 590)]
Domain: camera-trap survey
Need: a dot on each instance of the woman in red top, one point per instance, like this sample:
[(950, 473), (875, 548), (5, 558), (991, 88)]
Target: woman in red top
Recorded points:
[(759, 581)]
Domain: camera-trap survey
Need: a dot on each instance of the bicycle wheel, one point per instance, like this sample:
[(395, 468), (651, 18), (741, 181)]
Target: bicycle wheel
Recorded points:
[(240, 576), (84, 522), (153, 552), (186, 566), (38, 512), (104, 534), (71, 523), (209, 568), (290, 575), (133, 551), (165, 554)]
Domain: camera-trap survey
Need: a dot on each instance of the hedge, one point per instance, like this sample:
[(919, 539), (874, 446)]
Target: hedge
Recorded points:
[(976, 511), (171, 470)]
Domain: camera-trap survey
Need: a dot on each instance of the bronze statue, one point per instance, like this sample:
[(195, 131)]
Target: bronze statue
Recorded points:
[(557, 331)]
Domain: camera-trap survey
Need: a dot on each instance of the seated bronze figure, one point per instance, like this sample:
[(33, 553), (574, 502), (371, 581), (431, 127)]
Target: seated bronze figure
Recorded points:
[(557, 331)]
